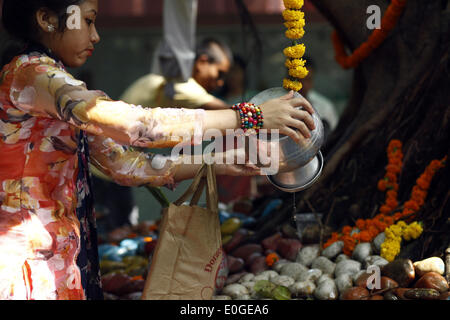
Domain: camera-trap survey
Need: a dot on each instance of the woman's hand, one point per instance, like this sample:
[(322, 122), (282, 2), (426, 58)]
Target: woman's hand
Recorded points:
[(281, 113)]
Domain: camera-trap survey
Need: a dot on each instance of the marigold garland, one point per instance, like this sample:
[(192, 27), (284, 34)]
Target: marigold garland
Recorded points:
[(367, 229), (294, 22), (377, 37), (391, 246)]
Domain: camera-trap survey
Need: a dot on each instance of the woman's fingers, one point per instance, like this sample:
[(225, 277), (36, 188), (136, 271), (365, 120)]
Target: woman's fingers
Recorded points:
[(305, 117), (288, 96), (300, 126), (302, 102), (293, 134)]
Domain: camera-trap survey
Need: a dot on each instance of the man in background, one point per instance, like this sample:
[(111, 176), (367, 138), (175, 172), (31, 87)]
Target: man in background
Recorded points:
[(212, 62)]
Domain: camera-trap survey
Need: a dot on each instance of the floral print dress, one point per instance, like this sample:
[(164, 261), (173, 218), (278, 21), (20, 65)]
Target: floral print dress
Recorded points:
[(51, 128)]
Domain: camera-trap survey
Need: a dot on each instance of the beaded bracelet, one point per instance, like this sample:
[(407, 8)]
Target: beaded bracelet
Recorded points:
[(251, 116)]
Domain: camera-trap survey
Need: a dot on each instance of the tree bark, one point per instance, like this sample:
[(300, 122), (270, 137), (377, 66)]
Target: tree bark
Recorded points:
[(399, 92)]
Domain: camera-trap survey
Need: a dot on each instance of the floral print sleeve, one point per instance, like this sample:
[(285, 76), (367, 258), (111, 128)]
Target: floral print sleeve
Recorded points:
[(41, 87), (130, 167)]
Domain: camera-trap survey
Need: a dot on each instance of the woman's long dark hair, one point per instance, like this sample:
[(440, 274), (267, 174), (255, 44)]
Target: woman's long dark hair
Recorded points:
[(19, 21)]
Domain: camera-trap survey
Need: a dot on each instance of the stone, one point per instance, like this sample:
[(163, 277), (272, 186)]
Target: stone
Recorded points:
[(247, 277), (289, 248), (269, 274), (246, 250), (243, 297), (347, 266), (272, 241), (249, 285), (324, 277), (302, 289), (309, 275), (341, 257), (324, 264), (259, 265), (235, 290), (377, 242), (401, 270), (375, 261), (433, 264), (362, 251), (343, 282), (388, 283), (279, 264), (293, 269), (361, 280), (355, 293), (307, 255), (234, 264), (422, 294), (389, 295), (235, 277), (326, 290), (432, 280), (400, 293), (358, 274), (333, 250), (285, 281), (221, 297)]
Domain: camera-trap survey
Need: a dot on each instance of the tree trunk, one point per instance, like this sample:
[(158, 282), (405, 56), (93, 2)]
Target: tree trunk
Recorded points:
[(399, 92)]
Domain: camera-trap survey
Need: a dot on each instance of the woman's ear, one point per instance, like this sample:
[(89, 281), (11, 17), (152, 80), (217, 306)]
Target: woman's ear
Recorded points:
[(47, 21)]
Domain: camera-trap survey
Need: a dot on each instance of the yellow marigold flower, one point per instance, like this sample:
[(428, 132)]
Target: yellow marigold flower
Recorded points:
[(293, 4), (292, 85), (295, 33), (290, 15), (402, 224), (298, 24), (294, 63), (295, 52), (300, 72)]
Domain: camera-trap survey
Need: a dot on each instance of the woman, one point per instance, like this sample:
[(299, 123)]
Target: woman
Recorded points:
[(51, 126)]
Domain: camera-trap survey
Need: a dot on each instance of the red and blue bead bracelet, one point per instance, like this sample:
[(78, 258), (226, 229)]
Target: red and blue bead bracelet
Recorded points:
[(251, 116)]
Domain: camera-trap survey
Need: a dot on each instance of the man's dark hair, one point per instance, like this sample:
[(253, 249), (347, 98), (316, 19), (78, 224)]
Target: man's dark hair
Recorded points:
[(206, 47)]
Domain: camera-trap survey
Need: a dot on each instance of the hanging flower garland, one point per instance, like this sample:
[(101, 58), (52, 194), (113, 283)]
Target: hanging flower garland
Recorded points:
[(366, 230), (377, 37), (295, 23)]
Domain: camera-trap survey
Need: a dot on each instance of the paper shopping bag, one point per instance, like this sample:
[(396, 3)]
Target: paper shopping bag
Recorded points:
[(188, 254)]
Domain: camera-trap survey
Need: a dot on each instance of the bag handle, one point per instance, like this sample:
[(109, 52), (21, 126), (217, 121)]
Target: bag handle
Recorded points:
[(197, 186)]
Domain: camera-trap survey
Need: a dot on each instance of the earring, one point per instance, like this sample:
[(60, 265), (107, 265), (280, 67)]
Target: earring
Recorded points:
[(51, 28)]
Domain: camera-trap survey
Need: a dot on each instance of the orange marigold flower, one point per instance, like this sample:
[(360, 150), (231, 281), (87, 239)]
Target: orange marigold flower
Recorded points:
[(393, 168), (394, 145), (385, 209), (397, 215), (382, 185), (423, 182), (389, 220), (396, 161), (391, 176), (391, 194), (346, 230), (271, 258), (391, 203), (411, 204), (360, 224), (365, 236)]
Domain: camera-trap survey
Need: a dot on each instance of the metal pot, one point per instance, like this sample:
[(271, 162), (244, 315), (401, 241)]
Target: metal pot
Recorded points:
[(300, 165)]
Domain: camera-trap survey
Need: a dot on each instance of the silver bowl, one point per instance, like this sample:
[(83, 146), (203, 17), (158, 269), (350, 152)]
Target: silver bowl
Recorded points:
[(300, 165)]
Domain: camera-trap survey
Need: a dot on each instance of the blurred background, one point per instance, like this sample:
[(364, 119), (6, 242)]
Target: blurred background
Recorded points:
[(131, 30)]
